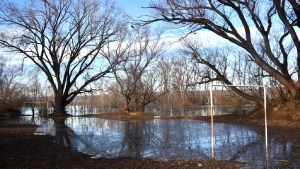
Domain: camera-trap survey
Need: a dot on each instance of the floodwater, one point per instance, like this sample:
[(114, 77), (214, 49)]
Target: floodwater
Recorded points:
[(166, 139)]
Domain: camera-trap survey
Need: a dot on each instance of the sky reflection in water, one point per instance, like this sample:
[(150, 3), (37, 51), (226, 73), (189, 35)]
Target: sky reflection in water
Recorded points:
[(168, 139)]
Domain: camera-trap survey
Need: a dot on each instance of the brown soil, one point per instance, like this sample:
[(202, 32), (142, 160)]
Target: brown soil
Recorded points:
[(20, 148), (123, 116), (286, 115)]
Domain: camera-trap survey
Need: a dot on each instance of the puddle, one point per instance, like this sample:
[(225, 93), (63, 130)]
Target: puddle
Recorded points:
[(167, 139)]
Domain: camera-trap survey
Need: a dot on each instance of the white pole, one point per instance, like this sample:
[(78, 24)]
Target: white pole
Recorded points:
[(47, 108), (265, 111), (47, 102), (212, 124), (266, 126)]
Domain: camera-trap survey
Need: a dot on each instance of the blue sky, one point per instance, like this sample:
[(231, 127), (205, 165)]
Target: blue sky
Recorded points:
[(134, 7), (131, 7)]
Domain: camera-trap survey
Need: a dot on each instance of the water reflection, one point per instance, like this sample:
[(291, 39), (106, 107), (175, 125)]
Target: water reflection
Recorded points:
[(63, 133), (169, 139)]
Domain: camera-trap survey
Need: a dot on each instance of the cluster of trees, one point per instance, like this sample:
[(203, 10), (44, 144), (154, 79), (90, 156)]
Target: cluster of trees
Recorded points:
[(11, 95), (76, 44), (266, 31)]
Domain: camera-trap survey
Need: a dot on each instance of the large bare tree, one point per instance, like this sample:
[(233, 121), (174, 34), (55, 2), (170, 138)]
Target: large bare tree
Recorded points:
[(136, 76), (265, 30), (64, 38)]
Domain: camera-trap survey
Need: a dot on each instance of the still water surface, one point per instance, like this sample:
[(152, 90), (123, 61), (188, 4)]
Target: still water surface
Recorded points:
[(165, 139)]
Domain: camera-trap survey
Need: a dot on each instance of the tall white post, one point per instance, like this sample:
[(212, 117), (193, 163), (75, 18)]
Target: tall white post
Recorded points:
[(265, 112), (212, 114), (212, 124), (266, 126)]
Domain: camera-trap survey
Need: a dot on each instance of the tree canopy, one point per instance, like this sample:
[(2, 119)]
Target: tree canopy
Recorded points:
[(65, 39), (265, 30)]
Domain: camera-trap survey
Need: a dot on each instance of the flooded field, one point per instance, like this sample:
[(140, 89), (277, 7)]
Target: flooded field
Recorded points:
[(167, 139)]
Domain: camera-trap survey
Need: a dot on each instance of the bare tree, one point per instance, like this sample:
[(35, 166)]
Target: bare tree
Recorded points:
[(64, 38), (11, 89), (182, 75), (151, 84), (164, 70), (260, 28), (180, 78), (136, 80), (33, 92), (218, 63)]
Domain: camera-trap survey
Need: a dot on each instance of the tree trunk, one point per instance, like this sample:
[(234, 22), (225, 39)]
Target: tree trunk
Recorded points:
[(294, 91), (127, 104), (60, 105)]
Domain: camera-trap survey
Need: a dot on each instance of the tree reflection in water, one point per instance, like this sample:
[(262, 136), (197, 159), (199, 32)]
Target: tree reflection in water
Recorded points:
[(133, 139), (165, 139), (169, 139), (62, 132), (66, 136)]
